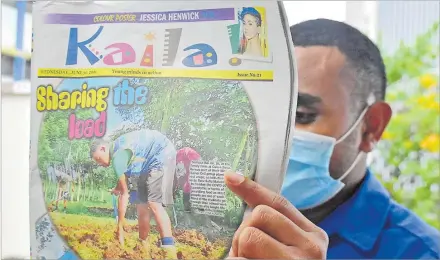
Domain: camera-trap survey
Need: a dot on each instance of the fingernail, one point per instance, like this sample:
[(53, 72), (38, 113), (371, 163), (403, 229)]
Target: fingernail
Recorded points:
[(234, 178)]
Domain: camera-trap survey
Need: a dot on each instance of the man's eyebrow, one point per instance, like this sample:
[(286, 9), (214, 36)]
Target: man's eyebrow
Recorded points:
[(307, 100)]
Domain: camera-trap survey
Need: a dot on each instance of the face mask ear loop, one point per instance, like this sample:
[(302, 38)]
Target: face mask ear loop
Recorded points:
[(355, 162), (370, 102), (353, 126)]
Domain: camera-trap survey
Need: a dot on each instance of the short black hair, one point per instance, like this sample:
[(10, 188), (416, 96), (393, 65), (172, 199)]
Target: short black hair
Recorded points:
[(361, 54), (95, 144)]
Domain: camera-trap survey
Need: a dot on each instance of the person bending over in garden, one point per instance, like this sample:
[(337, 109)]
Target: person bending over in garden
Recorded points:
[(331, 205), (65, 185), (144, 162)]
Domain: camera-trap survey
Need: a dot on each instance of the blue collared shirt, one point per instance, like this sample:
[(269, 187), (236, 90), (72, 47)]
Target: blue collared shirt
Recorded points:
[(372, 225)]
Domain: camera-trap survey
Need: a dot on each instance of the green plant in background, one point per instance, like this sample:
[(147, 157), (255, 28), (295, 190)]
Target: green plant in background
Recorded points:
[(411, 143)]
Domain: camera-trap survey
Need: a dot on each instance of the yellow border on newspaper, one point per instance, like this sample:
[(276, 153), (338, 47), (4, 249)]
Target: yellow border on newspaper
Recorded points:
[(245, 75)]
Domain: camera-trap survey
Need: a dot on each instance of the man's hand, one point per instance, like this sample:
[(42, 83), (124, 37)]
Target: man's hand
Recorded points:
[(275, 229), (115, 192)]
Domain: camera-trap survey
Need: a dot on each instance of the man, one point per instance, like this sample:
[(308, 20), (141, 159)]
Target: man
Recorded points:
[(65, 184), (144, 162), (332, 206)]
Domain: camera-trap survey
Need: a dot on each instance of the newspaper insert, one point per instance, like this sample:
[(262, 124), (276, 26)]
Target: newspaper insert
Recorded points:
[(138, 109)]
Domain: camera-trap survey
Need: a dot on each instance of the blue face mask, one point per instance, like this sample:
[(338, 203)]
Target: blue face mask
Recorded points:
[(308, 183)]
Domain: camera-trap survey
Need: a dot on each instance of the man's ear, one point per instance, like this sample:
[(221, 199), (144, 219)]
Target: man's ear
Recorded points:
[(376, 120)]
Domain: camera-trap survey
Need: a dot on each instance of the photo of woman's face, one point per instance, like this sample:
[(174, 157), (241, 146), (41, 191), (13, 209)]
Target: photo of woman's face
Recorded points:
[(250, 26)]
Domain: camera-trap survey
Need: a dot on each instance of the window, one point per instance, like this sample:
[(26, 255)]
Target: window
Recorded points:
[(27, 72), (7, 65)]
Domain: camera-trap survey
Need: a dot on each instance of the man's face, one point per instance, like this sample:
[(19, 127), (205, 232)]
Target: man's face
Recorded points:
[(324, 102), (101, 156)]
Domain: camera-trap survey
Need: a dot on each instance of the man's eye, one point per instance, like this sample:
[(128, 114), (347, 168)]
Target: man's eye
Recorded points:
[(304, 118)]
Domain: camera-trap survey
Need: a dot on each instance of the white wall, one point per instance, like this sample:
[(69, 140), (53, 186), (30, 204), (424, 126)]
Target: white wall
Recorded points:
[(15, 117), (299, 11), (363, 16)]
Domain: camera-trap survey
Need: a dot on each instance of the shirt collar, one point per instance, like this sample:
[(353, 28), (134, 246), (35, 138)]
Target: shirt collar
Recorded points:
[(361, 219)]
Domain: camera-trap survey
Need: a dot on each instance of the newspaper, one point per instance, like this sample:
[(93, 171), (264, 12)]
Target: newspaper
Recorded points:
[(138, 109)]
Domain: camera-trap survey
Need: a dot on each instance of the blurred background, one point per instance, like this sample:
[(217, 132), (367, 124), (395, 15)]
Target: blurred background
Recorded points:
[(406, 160)]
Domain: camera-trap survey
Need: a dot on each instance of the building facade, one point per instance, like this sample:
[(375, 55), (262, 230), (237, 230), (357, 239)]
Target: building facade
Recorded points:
[(393, 21), (404, 21), (16, 46)]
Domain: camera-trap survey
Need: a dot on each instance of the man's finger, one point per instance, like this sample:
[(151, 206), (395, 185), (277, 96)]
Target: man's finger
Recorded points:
[(254, 194), (255, 244), (231, 253), (244, 223), (277, 226)]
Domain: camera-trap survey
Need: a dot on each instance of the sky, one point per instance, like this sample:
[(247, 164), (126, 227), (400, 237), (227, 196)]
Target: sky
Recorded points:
[(297, 11)]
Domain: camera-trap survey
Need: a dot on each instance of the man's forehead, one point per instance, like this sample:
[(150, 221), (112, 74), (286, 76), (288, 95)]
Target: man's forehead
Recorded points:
[(321, 71), (327, 60)]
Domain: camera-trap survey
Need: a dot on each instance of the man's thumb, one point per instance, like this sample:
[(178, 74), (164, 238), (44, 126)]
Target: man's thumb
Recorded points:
[(233, 178)]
